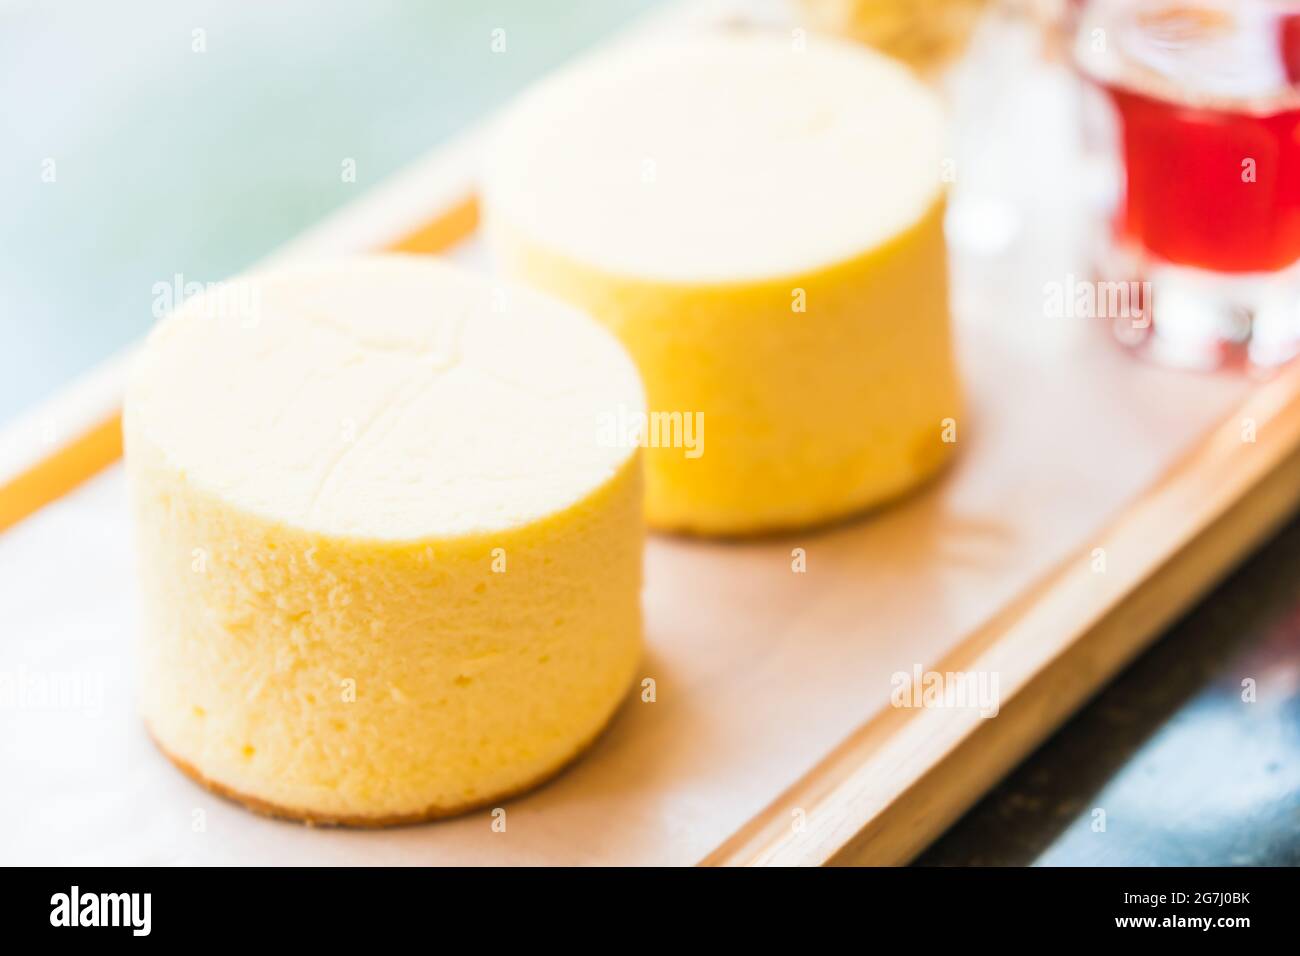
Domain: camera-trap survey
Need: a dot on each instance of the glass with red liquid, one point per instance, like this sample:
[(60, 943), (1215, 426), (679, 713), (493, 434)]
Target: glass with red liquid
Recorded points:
[(1196, 106)]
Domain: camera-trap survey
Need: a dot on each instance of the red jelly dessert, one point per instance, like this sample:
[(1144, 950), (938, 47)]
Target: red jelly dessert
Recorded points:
[(1209, 127), (1192, 122)]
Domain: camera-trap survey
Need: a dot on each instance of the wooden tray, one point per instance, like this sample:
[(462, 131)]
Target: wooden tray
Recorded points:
[(772, 739)]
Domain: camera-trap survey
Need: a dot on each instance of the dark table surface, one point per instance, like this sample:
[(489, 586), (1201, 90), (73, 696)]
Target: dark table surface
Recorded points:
[(1172, 764)]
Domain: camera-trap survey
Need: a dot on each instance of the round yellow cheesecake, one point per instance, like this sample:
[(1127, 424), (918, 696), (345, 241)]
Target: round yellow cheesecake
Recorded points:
[(390, 562), (760, 220)]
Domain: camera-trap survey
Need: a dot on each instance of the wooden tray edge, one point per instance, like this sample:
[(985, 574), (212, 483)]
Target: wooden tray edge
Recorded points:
[(906, 775), (898, 781)]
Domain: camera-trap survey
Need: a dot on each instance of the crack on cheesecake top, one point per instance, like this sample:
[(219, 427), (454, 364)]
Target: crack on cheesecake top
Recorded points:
[(385, 397)]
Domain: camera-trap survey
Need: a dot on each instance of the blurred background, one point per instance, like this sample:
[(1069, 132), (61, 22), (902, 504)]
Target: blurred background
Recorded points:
[(155, 138)]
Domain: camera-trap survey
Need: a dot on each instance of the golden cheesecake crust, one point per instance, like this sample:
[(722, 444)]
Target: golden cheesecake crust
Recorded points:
[(313, 818)]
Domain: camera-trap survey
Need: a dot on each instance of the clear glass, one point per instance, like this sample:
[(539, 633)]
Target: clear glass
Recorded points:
[(1192, 107)]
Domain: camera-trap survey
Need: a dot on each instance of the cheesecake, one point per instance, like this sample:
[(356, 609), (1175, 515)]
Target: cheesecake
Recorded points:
[(759, 218), (390, 564)]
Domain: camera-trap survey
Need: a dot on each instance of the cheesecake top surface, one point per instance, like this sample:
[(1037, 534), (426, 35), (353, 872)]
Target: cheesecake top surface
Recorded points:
[(730, 157), (387, 397)]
